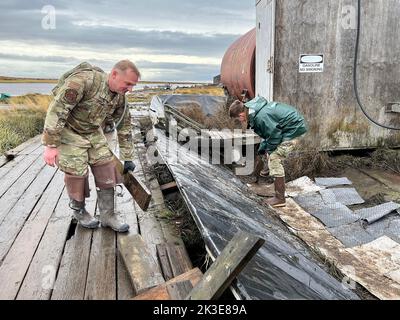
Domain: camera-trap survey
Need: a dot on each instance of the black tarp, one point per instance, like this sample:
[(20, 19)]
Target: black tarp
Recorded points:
[(284, 267), (209, 104)]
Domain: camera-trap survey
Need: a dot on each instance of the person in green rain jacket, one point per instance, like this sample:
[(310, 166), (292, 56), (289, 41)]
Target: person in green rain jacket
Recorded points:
[(279, 125)]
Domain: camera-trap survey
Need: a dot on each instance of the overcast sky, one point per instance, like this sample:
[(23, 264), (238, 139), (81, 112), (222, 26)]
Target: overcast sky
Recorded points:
[(172, 40)]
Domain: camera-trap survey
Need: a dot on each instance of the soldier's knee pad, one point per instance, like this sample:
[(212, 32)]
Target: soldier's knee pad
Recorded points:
[(77, 186), (106, 175)]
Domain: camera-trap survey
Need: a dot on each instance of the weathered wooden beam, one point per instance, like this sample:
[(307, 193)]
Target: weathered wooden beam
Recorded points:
[(18, 259), (167, 186), (226, 267), (24, 148), (48, 255), (179, 258), (101, 281), (179, 290), (174, 259), (140, 193), (162, 255), (142, 268), (161, 292)]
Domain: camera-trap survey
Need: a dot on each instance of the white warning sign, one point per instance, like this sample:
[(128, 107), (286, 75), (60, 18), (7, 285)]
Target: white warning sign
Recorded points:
[(311, 63)]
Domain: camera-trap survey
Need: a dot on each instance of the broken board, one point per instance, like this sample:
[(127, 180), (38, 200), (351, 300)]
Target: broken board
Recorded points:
[(143, 270), (226, 267), (140, 193)]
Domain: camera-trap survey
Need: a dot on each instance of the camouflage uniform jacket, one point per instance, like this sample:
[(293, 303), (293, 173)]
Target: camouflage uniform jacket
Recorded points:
[(83, 102)]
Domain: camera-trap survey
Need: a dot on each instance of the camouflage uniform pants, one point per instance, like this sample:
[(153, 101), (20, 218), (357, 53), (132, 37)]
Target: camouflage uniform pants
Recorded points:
[(77, 151), (276, 158)]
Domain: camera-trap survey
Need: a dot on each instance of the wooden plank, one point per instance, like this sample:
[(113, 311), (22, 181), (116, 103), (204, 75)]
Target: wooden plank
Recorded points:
[(157, 293), (125, 290), (24, 148), (173, 259), (126, 207), (179, 258), (143, 269), (5, 159), (39, 280), (157, 205), (226, 135), (226, 267), (153, 230), (150, 227), (101, 281), (161, 293), (137, 188), (16, 263), (168, 186), (12, 176), (7, 167), (17, 189), (179, 290), (71, 277), (14, 221), (162, 255)]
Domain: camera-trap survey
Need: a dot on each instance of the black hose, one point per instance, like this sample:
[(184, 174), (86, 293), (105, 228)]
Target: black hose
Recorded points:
[(355, 74)]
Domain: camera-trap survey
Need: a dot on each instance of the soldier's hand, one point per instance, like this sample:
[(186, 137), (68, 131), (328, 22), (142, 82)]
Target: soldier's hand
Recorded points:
[(50, 156), (129, 166)]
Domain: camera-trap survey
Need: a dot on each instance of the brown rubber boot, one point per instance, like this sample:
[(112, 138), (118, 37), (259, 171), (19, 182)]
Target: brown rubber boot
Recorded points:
[(78, 189), (279, 199), (84, 218)]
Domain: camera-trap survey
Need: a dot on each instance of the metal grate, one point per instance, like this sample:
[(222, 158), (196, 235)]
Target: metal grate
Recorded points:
[(332, 182), (335, 214), (346, 196)]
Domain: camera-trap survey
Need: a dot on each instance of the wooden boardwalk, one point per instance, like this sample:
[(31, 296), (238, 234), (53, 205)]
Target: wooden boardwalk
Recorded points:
[(44, 255)]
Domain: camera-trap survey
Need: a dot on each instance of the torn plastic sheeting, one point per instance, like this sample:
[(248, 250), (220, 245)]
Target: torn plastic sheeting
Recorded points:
[(332, 182), (346, 196), (335, 214), (373, 214), (284, 267)]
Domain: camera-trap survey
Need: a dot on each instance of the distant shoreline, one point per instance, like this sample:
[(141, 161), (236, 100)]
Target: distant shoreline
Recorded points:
[(23, 80), (32, 80)]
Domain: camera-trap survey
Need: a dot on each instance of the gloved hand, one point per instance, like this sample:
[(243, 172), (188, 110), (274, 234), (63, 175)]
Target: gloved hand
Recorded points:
[(108, 128), (129, 166)]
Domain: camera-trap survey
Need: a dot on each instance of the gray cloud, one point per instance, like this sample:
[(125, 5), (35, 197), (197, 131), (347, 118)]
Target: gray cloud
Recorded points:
[(26, 27), (57, 65), (172, 27)]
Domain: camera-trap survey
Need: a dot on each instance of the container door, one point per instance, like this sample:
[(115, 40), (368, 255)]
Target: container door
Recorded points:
[(265, 29)]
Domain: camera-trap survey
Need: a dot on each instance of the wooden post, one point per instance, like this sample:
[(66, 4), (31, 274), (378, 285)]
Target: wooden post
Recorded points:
[(226, 267)]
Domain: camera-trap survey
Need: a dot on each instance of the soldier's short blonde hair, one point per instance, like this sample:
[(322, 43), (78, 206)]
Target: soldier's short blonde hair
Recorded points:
[(124, 65)]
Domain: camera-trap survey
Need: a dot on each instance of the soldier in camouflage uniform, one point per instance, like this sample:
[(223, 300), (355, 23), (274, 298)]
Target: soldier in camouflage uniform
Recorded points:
[(279, 125), (84, 98)]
